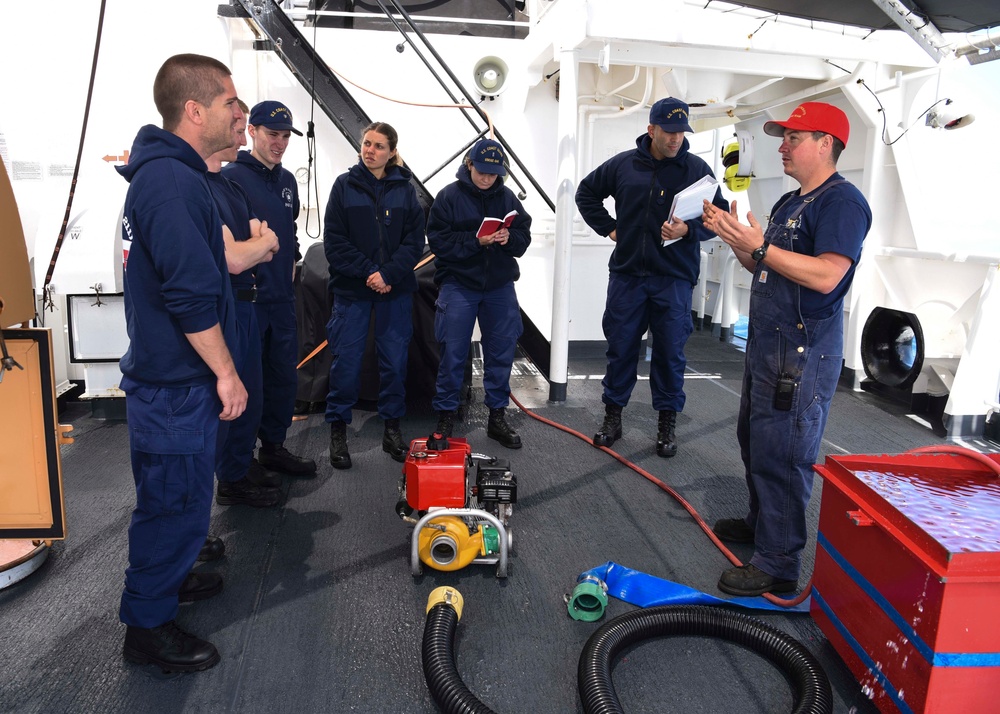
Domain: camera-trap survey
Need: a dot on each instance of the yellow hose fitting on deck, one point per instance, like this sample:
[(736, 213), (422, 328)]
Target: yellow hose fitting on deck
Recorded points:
[(448, 596)]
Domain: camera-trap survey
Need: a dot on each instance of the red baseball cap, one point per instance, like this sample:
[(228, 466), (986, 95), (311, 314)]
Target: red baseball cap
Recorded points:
[(813, 116)]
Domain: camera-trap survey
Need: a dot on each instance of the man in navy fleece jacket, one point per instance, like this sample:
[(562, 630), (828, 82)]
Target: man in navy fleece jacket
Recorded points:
[(653, 268), (274, 195), (178, 373)]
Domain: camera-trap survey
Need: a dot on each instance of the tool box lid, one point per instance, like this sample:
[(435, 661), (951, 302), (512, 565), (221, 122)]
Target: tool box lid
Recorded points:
[(943, 507)]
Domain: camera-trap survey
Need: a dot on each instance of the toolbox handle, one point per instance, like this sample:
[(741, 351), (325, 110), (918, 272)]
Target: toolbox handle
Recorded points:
[(859, 518)]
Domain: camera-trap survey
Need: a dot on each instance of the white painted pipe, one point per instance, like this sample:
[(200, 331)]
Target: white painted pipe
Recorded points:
[(566, 169)]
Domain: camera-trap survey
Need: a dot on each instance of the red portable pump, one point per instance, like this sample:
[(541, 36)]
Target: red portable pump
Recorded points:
[(463, 502)]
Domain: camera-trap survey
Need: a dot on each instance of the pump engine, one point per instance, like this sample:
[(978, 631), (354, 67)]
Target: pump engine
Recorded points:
[(459, 504)]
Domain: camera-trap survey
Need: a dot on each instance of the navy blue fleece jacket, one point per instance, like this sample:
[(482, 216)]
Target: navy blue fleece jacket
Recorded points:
[(454, 220), (176, 279), (274, 196), (643, 189), (373, 226), (236, 212)]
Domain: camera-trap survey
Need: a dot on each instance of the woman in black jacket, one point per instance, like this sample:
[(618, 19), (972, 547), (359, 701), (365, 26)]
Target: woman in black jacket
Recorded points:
[(477, 229), (373, 238)]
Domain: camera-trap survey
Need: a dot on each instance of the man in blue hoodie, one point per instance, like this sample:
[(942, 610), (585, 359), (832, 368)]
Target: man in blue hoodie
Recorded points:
[(179, 377), (654, 266), (274, 196)]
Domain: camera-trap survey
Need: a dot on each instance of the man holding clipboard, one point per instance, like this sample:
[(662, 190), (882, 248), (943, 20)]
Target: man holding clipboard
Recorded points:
[(653, 268)]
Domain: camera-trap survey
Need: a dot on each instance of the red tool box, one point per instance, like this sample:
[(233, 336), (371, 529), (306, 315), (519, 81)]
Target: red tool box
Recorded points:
[(906, 585)]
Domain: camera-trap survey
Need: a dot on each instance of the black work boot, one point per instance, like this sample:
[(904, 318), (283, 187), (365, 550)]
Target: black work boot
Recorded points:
[(611, 429), (199, 586), (277, 457), (170, 648), (339, 458), (446, 424), (499, 430), (242, 492), (734, 530), (666, 442), (392, 441), (750, 581), (213, 549), (259, 476)]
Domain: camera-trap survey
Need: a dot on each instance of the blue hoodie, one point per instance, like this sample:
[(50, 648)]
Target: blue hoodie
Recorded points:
[(373, 226), (274, 196), (176, 279), (644, 189), (454, 220)]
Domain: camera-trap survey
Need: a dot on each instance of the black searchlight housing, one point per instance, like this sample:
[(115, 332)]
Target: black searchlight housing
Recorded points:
[(892, 347)]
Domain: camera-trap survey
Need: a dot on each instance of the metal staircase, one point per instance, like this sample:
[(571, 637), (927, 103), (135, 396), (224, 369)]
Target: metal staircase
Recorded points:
[(276, 32)]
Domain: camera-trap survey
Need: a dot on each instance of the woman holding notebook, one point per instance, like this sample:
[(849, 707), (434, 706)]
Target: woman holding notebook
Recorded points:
[(477, 229)]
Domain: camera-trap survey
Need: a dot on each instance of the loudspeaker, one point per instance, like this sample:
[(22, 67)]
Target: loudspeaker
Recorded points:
[(490, 76)]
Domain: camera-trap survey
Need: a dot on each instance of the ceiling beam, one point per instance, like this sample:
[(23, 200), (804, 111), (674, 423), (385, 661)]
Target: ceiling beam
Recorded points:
[(920, 29)]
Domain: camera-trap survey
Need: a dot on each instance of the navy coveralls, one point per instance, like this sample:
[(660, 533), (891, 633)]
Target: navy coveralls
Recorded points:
[(779, 447)]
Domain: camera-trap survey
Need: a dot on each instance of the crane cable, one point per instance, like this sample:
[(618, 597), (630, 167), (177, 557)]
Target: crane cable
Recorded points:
[(46, 296)]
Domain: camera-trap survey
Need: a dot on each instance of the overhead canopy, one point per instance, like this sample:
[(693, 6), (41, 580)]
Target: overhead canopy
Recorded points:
[(946, 15)]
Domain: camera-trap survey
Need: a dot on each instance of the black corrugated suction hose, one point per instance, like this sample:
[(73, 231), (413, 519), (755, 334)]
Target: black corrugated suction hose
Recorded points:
[(447, 687), (811, 687)]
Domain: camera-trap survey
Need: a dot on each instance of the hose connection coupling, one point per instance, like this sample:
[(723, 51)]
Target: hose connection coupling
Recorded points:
[(447, 596), (588, 599)]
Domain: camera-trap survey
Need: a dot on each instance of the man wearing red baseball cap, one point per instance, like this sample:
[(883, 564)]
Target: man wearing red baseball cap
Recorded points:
[(803, 263), (813, 116)]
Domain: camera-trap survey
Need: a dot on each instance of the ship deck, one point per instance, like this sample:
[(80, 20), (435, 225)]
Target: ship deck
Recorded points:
[(320, 611)]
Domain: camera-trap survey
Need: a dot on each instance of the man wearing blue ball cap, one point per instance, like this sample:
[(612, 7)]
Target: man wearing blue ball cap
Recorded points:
[(274, 196), (653, 268)]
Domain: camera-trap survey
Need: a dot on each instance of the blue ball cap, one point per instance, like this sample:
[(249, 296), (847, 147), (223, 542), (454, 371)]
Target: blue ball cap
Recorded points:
[(488, 156), (273, 115), (671, 115)]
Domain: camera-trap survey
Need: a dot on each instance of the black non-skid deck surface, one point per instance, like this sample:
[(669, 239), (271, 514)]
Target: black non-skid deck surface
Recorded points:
[(320, 612)]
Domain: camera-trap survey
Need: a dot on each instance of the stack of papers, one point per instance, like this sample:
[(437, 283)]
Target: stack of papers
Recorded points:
[(689, 203)]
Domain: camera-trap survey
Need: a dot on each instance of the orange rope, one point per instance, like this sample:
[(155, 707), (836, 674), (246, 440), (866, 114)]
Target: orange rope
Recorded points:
[(319, 348), (489, 119)]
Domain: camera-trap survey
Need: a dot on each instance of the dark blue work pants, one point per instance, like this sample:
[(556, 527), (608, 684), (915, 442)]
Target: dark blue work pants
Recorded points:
[(661, 305), (279, 356), (237, 438), (172, 434), (347, 333), (500, 325)]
